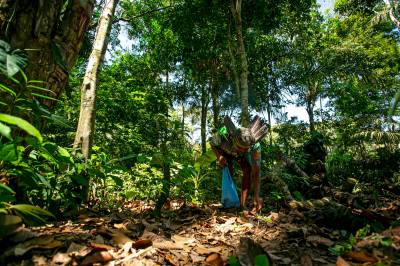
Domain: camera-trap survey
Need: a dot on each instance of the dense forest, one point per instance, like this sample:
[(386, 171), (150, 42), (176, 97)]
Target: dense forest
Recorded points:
[(107, 115)]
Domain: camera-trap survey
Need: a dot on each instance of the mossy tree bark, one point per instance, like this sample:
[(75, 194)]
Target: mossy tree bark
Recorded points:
[(51, 32)]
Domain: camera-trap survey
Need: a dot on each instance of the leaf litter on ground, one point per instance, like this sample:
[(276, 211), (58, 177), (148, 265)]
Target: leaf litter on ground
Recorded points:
[(190, 236)]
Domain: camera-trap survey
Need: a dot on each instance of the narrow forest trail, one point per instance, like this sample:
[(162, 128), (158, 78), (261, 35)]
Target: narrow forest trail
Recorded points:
[(189, 235)]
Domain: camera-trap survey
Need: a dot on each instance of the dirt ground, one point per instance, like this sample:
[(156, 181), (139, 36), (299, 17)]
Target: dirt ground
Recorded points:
[(193, 235)]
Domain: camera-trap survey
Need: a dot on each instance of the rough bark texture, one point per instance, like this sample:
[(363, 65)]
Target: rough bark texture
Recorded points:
[(236, 8), (5, 14), (233, 63), (166, 165), (310, 112), (166, 182), (84, 132), (275, 177), (391, 11), (311, 98), (52, 34), (277, 170), (204, 106), (215, 103), (269, 111)]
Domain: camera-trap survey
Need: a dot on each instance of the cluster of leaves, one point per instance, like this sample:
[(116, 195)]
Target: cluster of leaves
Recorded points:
[(36, 172)]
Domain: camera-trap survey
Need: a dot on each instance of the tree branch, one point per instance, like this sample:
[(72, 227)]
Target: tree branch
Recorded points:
[(128, 20), (391, 13)]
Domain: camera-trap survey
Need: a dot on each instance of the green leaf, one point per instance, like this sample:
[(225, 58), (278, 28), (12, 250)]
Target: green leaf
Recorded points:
[(21, 123), (233, 261), (44, 96), (8, 153), (24, 76), (386, 241), (8, 90), (9, 224), (31, 215), (118, 181), (262, 260), (80, 180), (37, 81), (5, 131), (41, 89), (130, 194), (65, 156), (6, 194), (11, 61), (6, 188), (42, 179)]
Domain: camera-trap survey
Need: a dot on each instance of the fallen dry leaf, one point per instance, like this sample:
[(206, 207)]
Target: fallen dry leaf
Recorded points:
[(9, 224), (171, 259), (214, 260), (98, 257), (120, 238), (78, 250), (202, 250), (142, 243), (273, 216), (227, 226), (44, 242), (99, 239), (365, 243), (23, 234), (120, 227), (100, 247), (196, 258), (167, 245), (61, 259), (360, 256), (39, 261), (319, 240), (306, 260), (181, 240), (341, 262)]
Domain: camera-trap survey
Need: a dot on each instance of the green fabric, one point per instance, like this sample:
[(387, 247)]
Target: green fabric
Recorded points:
[(223, 131), (255, 148)]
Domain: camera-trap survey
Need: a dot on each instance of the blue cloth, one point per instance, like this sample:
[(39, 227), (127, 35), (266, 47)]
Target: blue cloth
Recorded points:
[(229, 197)]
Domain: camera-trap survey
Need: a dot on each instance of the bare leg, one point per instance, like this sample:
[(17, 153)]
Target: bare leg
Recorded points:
[(246, 181), (256, 179)]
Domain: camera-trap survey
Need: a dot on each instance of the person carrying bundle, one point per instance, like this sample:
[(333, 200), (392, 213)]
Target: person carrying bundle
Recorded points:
[(242, 145)]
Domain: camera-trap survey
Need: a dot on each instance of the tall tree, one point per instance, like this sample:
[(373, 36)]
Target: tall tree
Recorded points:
[(309, 59), (236, 9), (84, 132), (51, 31)]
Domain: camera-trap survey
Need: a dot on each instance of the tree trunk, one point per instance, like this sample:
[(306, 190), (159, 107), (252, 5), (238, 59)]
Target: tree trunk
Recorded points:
[(5, 7), (236, 8), (166, 182), (311, 98), (233, 64), (84, 132), (310, 112), (269, 111), (321, 111), (183, 120), (166, 165), (391, 11), (215, 103), (53, 36), (204, 106)]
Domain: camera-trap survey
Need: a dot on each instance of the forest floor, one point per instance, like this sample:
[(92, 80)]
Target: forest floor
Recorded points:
[(208, 235)]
